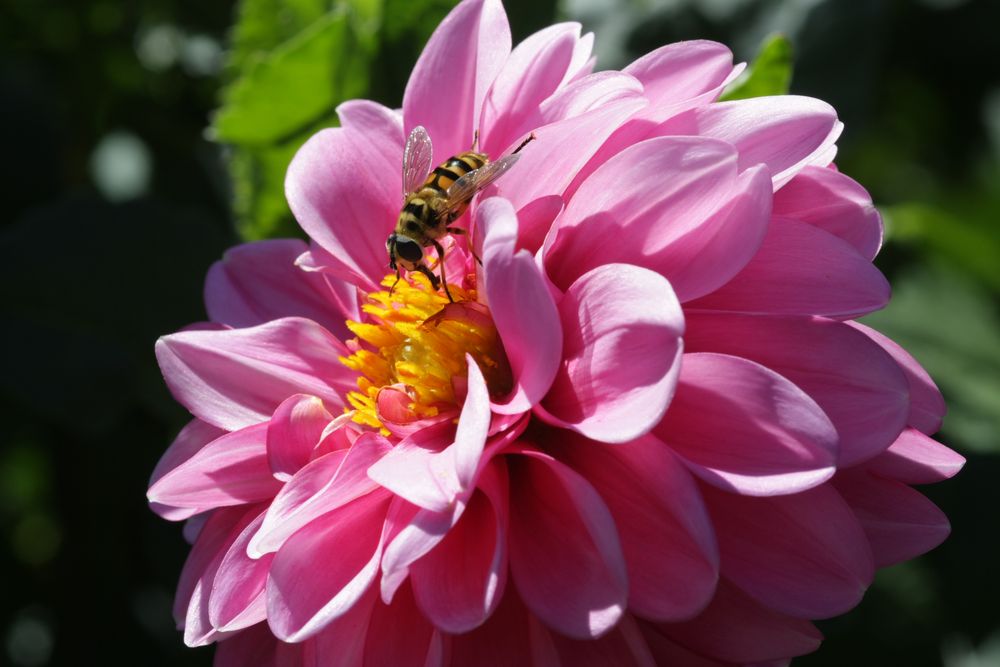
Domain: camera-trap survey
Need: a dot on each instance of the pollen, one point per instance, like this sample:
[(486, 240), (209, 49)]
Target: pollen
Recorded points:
[(416, 342)]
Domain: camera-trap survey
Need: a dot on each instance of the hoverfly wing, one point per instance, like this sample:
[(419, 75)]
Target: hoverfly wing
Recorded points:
[(467, 186), (417, 157)]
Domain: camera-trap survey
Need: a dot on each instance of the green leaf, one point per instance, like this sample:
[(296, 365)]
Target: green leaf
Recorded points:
[(299, 82), (950, 325), (290, 64), (769, 74)]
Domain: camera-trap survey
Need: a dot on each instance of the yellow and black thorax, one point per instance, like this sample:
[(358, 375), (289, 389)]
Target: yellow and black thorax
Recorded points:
[(421, 207)]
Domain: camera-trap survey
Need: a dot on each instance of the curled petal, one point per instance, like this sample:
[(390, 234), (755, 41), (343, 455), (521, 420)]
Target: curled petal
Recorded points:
[(195, 435), (622, 329), (515, 286), (293, 433), (237, 593)]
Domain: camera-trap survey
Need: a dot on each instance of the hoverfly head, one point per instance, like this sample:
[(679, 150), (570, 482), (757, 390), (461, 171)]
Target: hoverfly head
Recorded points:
[(406, 251)]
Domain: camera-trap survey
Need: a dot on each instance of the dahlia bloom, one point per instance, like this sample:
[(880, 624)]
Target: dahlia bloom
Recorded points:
[(648, 431)]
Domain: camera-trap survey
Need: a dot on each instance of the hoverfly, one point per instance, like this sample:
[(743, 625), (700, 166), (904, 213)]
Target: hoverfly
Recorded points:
[(432, 201)]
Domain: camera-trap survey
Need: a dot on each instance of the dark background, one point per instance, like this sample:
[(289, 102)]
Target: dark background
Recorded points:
[(116, 201)]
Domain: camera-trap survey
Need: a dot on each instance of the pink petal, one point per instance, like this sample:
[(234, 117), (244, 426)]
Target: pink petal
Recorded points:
[(459, 583), (377, 124), (675, 74), (831, 201), (231, 470), (535, 69), (258, 282), (258, 647), (622, 329), (546, 168), (666, 534), (435, 479), (534, 220), (623, 646), (324, 569), (503, 642), (195, 585), (736, 628), (565, 556), (322, 190), (515, 286), (854, 381), (410, 468), (237, 592), (786, 132), (195, 435), (668, 652), (399, 635), (927, 406), (588, 93), (293, 433), (458, 64), (803, 555), (342, 642), (742, 427), (323, 485), (900, 522), (236, 378), (688, 215), (425, 529), (915, 458), (802, 270)]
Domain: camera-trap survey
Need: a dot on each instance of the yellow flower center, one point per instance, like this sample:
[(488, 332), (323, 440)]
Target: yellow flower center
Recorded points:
[(416, 343)]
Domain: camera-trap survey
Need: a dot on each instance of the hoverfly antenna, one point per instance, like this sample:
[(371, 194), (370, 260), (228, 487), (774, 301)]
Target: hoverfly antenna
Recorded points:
[(531, 137)]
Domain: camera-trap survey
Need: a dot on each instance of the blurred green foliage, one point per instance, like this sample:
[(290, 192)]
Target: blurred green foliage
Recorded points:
[(117, 199)]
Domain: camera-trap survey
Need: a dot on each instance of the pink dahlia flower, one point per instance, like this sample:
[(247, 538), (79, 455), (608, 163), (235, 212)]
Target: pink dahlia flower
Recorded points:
[(647, 432)]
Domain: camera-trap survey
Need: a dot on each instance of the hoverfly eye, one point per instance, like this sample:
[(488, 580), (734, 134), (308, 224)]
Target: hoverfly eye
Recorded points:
[(409, 250)]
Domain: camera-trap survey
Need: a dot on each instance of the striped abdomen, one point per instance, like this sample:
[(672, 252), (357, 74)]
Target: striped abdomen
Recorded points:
[(453, 169)]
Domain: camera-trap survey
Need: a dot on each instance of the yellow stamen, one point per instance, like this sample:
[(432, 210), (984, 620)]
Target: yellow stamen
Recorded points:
[(417, 339)]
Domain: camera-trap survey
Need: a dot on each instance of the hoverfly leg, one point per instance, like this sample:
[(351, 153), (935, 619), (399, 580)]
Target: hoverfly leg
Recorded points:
[(468, 237), (396, 282), (531, 137), (444, 281), (475, 141)]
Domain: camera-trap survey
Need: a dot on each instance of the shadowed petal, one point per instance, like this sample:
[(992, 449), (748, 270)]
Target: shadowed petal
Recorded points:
[(744, 428), (803, 555), (195, 435), (853, 380), (237, 593), (899, 521), (802, 270), (687, 214), (230, 470), (258, 282), (927, 406), (915, 458), (736, 628), (786, 132), (666, 534)]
